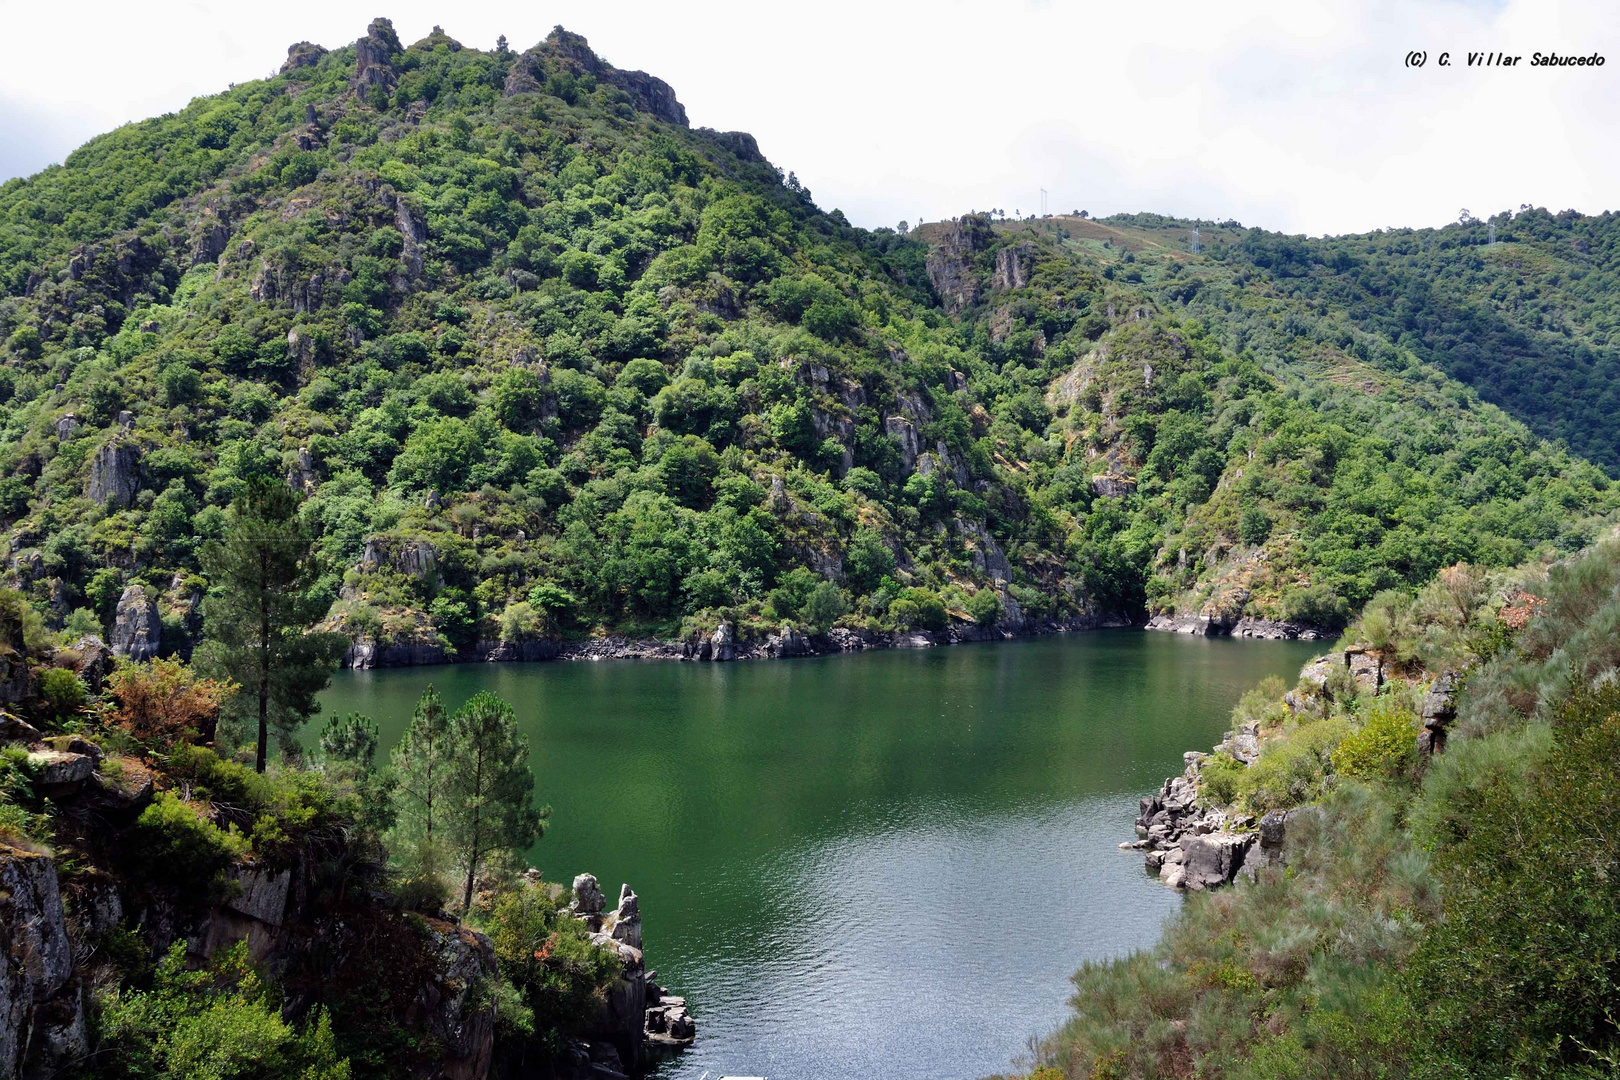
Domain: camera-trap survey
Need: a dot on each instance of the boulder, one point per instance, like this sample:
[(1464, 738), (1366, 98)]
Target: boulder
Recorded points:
[(723, 643), (54, 769), (95, 662), (1438, 709), (67, 425), (1244, 743), (13, 730), (1213, 859), (627, 919), (74, 744), (588, 898), (1366, 668), (114, 475), (137, 632)]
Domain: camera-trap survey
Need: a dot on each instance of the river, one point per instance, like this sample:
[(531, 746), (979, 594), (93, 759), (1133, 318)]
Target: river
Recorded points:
[(881, 864)]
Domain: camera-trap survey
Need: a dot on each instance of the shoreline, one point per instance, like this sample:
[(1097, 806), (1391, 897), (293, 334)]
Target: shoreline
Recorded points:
[(722, 646)]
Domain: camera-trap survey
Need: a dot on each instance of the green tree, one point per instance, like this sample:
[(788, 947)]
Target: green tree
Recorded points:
[(825, 606), (258, 614), (489, 788), (351, 739), (421, 764)]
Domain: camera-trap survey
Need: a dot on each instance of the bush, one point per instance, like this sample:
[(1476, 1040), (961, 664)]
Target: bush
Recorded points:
[(547, 954), (1219, 778), (223, 1022), (1384, 747), (1294, 769), (985, 607), (61, 692), (174, 842), (164, 701), (825, 606), (1522, 976)]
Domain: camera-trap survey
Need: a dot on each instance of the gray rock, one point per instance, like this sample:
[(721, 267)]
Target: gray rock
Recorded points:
[(588, 898), (56, 771), (374, 54), (67, 425), (95, 662), (137, 632), (1113, 485), (627, 919), (723, 643), (14, 730), (301, 55), (263, 896), (1244, 743), (1366, 668), (114, 475), (33, 930), (1214, 859)]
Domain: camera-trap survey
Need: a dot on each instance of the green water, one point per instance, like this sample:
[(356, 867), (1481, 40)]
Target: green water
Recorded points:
[(882, 864)]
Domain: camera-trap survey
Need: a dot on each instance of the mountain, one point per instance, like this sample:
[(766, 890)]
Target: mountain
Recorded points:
[(548, 362)]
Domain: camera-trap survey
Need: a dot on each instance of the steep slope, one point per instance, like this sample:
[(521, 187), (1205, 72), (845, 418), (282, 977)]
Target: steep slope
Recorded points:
[(548, 362)]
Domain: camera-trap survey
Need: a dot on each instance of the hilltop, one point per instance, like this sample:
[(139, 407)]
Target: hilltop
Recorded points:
[(549, 363)]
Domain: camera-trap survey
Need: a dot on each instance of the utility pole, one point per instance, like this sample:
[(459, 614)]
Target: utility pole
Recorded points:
[(1492, 234), (1043, 202), (1195, 240)]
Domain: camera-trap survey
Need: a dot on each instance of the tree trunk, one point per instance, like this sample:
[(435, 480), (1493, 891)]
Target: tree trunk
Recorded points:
[(264, 665), (476, 847)]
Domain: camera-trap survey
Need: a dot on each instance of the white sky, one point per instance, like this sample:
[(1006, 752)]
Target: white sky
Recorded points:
[(1297, 116)]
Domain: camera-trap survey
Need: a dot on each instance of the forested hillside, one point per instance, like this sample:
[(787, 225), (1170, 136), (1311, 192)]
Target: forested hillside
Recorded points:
[(546, 361)]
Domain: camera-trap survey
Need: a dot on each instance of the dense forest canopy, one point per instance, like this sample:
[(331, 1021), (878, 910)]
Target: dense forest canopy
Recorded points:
[(545, 360)]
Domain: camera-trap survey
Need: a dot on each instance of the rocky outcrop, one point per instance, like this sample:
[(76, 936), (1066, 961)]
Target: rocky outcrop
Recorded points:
[(137, 631), (571, 53), (950, 262), (114, 475), (41, 1012), (1013, 264), (588, 898), (302, 54), (1438, 709), (1113, 485), (92, 660), (374, 56), (1205, 625), (416, 559), (627, 919)]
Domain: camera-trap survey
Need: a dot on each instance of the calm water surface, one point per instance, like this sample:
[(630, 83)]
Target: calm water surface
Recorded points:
[(883, 864)]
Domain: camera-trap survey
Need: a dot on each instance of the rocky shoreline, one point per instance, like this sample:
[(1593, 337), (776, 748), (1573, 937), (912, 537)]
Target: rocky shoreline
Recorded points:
[(1195, 847), (721, 646), (1244, 627)]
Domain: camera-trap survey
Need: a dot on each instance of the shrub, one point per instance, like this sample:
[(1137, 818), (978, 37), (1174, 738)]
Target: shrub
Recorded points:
[(985, 607), (1522, 976), (1294, 769), (1384, 747), (223, 1022), (173, 841), (825, 606), (164, 701), (547, 954), (61, 692), (1219, 778)]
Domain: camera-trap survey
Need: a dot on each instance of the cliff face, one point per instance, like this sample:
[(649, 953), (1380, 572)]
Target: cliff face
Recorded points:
[(326, 951)]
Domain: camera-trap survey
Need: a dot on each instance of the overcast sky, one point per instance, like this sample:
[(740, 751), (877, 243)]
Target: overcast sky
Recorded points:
[(1296, 116)]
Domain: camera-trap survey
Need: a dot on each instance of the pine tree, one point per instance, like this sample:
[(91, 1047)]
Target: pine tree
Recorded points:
[(258, 613), (421, 766), (490, 790)]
